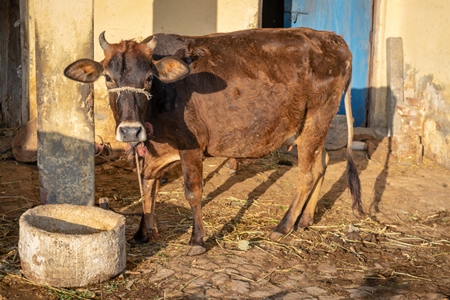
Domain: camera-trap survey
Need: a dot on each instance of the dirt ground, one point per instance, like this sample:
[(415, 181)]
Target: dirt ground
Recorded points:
[(401, 251)]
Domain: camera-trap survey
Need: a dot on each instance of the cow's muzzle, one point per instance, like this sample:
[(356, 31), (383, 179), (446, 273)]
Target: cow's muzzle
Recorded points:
[(131, 132)]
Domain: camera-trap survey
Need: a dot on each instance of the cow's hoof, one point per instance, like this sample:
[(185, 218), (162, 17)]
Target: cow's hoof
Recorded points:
[(133, 241), (194, 250), (305, 221), (153, 235), (137, 239), (275, 236)]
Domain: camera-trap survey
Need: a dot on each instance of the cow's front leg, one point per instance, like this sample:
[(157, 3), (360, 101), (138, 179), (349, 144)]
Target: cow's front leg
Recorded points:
[(191, 164), (147, 228)]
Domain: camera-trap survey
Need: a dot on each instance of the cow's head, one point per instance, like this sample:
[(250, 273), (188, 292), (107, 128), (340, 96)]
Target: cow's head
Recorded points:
[(129, 70)]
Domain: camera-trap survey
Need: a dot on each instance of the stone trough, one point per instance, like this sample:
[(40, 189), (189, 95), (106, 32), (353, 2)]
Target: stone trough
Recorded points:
[(67, 245)]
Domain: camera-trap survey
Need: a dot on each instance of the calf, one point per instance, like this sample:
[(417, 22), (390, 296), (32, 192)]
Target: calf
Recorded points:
[(238, 95)]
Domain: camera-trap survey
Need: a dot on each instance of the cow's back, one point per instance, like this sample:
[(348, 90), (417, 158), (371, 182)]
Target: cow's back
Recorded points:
[(248, 91)]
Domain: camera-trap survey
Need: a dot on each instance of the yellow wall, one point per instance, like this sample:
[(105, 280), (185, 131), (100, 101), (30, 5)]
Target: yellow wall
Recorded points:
[(236, 15), (423, 27)]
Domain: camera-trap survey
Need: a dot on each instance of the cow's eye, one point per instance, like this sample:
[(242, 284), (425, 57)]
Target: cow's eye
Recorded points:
[(107, 78), (149, 78)]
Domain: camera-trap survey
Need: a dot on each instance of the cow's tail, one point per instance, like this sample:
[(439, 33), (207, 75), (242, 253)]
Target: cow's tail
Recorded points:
[(354, 184)]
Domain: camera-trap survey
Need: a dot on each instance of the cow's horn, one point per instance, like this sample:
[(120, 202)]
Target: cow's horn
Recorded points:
[(152, 44), (103, 43)]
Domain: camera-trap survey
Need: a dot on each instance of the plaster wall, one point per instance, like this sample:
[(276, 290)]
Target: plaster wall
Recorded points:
[(237, 15), (423, 27)]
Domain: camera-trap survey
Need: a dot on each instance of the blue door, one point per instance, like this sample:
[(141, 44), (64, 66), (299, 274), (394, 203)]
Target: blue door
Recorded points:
[(351, 19)]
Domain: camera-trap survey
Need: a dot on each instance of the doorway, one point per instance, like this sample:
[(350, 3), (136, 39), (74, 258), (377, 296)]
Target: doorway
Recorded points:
[(350, 18)]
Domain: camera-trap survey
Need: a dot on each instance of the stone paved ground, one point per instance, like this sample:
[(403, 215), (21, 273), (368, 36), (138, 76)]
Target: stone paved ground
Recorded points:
[(401, 252)]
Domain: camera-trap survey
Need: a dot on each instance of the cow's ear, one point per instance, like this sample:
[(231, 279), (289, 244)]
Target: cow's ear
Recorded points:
[(170, 69), (84, 70)]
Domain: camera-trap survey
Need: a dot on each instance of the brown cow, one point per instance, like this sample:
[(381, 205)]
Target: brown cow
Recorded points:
[(238, 95)]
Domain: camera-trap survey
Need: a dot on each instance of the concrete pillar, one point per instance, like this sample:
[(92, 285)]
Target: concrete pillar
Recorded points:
[(65, 128), (394, 60), (28, 42)]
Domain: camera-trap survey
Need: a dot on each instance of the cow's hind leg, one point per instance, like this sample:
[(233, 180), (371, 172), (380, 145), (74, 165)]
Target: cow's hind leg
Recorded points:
[(192, 166), (307, 216), (312, 160), (147, 228), (311, 173)]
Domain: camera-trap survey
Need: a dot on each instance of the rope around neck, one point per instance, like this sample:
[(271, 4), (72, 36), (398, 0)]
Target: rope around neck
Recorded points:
[(130, 89), (139, 174)]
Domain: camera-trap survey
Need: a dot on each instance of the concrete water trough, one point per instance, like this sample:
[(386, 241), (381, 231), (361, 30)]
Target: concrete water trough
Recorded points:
[(68, 245)]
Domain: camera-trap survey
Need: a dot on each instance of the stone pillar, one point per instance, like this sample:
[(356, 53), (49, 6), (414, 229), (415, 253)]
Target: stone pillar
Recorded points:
[(394, 60), (63, 31), (404, 116)]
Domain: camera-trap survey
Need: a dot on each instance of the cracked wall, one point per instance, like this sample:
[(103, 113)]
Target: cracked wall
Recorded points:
[(423, 28)]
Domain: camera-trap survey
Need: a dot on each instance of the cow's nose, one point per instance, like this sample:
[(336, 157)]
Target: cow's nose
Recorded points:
[(131, 133)]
